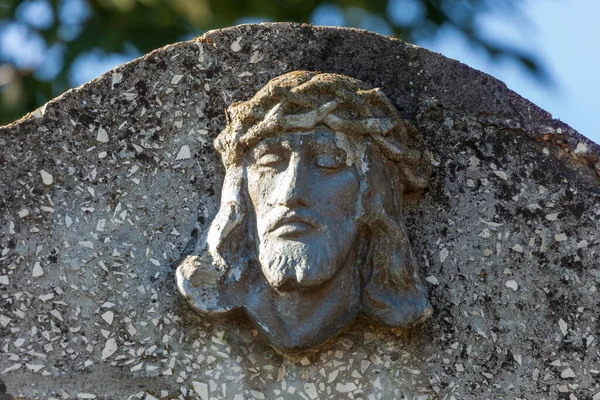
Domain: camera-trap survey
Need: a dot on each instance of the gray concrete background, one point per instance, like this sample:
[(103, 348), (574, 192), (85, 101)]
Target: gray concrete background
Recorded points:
[(102, 189)]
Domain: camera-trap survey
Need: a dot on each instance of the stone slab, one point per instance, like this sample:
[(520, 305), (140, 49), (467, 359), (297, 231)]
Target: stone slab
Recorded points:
[(103, 188)]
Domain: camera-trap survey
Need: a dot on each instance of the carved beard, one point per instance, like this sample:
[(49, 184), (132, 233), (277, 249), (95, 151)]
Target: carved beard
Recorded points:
[(294, 265)]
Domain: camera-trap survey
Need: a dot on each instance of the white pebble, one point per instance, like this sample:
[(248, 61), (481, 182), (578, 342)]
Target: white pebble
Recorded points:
[(34, 367), (552, 217), (443, 254), (561, 237), (184, 153), (108, 317), (488, 252), (109, 348), (201, 389), (581, 148), (116, 78), (46, 178), (235, 45), (100, 225), (501, 174), (176, 79), (13, 367), (567, 373), (37, 270), (102, 135), (563, 326), (345, 387)]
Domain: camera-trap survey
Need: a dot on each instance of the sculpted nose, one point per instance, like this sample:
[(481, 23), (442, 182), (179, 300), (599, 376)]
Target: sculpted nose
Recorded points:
[(293, 187)]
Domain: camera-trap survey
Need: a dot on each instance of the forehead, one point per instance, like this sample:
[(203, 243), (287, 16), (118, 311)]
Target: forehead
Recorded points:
[(321, 138)]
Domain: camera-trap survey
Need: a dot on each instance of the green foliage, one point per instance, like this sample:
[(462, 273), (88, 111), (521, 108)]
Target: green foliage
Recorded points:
[(113, 26)]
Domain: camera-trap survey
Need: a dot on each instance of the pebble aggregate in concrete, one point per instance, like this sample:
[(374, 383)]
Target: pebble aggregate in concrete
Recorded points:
[(102, 189)]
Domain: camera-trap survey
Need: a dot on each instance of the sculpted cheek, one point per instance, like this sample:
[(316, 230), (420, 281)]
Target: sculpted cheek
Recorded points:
[(341, 196), (259, 186)]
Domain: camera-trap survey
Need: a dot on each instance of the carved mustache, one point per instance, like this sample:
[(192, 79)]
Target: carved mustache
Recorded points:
[(304, 216)]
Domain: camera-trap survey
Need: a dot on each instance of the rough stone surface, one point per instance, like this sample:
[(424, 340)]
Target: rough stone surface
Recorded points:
[(101, 189)]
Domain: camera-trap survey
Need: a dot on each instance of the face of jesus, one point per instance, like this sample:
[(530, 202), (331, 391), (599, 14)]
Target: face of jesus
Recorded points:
[(304, 188)]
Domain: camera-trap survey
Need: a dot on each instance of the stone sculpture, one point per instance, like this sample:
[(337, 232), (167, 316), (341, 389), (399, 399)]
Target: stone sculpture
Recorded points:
[(100, 188), (309, 232)]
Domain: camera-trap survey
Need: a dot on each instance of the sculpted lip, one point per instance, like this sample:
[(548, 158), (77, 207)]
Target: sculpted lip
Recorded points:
[(294, 222)]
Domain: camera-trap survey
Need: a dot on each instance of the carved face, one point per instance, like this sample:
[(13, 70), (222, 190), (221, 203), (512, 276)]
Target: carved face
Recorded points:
[(304, 187), (315, 207)]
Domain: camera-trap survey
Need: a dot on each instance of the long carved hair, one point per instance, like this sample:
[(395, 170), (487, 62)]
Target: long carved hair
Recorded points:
[(393, 162)]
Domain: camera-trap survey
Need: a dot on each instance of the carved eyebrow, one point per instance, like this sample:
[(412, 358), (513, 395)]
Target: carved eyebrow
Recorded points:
[(327, 148), (270, 144), (327, 142)]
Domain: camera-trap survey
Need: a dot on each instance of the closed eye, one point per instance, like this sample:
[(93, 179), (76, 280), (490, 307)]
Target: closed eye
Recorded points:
[(270, 160), (329, 161)]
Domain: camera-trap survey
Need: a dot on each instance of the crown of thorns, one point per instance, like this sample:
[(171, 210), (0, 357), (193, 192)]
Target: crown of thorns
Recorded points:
[(302, 100)]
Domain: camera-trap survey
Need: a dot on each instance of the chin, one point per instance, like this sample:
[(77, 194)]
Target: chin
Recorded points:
[(295, 266), (302, 284)]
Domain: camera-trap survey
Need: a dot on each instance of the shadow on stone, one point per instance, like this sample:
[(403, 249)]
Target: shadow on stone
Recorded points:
[(3, 394)]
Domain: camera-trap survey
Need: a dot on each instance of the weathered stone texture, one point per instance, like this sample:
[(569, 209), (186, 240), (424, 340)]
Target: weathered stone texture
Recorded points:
[(102, 189)]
